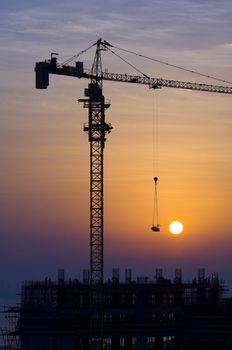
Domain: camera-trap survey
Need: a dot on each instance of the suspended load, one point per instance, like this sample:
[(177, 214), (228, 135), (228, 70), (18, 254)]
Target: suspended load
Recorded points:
[(155, 226)]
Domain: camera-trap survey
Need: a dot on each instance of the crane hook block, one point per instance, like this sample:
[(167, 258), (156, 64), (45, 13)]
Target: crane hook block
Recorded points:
[(155, 179)]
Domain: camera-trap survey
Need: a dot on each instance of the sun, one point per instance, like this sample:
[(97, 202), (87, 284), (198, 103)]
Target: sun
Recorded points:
[(176, 227)]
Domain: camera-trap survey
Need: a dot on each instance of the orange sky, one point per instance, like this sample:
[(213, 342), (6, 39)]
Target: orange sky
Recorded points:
[(45, 156)]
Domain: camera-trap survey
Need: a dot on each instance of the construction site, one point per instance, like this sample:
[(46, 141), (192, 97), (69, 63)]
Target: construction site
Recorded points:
[(123, 312)]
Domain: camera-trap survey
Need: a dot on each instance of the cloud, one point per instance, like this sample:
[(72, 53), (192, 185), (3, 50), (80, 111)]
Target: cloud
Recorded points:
[(227, 45), (172, 23)]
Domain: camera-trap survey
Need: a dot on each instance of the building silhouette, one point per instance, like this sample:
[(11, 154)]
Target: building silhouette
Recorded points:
[(130, 314)]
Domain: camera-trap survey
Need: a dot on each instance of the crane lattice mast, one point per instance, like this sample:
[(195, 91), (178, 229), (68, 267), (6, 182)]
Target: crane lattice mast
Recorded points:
[(97, 128)]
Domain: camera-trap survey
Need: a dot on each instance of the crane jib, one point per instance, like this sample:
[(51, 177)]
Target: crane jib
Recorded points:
[(43, 69)]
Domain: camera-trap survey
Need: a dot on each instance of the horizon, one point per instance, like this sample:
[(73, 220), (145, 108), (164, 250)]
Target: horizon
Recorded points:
[(44, 217)]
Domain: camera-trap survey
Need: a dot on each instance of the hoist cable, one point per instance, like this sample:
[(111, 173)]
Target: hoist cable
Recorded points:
[(130, 64), (155, 130), (153, 219), (156, 203), (155, 208), (173, 65), (77, 55), (154, 156)]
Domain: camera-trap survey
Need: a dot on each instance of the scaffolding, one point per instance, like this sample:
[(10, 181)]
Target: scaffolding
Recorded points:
[(139, 313), (11, 334)]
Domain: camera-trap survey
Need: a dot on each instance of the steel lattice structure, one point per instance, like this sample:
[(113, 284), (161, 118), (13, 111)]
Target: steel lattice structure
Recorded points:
[(97, 128)]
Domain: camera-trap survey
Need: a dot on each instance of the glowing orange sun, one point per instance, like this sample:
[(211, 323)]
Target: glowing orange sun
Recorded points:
[(176, 227)]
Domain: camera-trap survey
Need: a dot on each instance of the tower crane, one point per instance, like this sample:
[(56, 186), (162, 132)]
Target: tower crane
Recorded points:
[(97, 128)]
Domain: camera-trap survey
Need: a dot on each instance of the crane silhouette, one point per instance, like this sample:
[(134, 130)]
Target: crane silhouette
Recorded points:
[(97, 128)]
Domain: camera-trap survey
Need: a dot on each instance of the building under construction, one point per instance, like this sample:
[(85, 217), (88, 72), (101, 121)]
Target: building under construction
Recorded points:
[(129, 314)]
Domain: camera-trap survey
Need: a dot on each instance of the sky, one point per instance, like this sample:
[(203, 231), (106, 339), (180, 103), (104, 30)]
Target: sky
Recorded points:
[(44, 153)]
